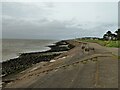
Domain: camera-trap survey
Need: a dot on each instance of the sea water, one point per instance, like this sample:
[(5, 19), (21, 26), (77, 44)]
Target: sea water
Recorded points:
[(12, 47)]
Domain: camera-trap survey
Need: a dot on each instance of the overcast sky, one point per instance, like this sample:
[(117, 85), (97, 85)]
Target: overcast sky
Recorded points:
[(58, 20)]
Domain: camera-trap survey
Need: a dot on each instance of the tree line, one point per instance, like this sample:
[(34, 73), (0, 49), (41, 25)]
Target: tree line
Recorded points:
[(112, 36)]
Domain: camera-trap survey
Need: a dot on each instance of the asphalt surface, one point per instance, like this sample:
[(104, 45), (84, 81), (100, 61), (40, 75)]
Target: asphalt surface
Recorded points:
[(74, 69)]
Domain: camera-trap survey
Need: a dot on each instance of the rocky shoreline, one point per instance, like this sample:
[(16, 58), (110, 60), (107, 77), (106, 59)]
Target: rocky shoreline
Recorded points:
[(26, 60)]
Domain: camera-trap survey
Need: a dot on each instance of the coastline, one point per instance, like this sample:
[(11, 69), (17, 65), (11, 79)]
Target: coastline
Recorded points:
[(12, 48), (18, 54), (64, 68), (26, 60)]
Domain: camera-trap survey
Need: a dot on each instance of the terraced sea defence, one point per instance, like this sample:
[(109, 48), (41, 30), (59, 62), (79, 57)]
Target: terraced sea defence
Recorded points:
[(26, 60)]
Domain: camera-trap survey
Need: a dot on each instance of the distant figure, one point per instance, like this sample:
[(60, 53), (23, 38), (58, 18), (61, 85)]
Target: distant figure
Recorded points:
[(83, 47), (92, 49), (87, 49)]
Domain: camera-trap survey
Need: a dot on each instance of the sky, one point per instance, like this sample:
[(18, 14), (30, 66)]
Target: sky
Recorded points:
[(58, 20)]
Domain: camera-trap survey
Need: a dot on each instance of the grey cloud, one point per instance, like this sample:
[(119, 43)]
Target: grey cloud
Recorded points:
[(44, 29), (119, 14), (15, 28), (49, 4), (39, 21), (19, 10)]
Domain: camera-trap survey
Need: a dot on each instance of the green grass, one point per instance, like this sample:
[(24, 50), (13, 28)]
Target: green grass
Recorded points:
[(113, 44), (105, 43), (118, 57)]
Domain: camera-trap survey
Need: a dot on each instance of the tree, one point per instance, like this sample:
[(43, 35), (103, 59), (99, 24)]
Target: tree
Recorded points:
[(118, 34), (105, 37), (114, 37), (108, 35)]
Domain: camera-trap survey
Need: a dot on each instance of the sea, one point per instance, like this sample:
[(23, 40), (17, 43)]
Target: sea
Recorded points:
[(11, 48)]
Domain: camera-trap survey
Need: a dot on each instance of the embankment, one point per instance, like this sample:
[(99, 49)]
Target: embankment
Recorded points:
[(26, 60)]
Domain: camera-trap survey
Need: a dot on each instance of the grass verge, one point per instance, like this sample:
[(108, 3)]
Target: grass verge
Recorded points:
[(104, 43)]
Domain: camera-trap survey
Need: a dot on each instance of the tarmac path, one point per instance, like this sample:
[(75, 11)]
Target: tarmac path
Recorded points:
[(76, 68)]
